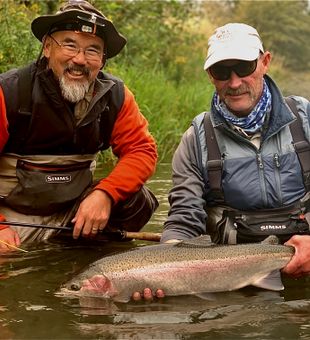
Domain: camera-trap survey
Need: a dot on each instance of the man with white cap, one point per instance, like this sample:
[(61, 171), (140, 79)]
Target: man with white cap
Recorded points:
[(238, 173), (56, 115), (241, 171)]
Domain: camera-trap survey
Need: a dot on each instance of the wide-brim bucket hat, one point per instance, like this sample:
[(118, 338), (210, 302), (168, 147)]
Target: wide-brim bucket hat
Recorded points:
[(81, 16)]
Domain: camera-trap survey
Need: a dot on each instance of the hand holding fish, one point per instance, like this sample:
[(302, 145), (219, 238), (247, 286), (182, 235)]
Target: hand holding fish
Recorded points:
[(148, 295), (8, 237), (93, 214), (300, 263)]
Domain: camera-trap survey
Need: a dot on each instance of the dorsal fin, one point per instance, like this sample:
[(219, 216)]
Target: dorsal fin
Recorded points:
[(196, 242), (271, 239)]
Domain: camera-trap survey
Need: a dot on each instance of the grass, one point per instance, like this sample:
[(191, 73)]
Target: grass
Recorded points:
[(168, 107)]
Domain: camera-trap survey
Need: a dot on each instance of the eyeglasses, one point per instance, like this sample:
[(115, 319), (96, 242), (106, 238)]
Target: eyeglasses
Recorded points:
[(243, 69), (71, 50)]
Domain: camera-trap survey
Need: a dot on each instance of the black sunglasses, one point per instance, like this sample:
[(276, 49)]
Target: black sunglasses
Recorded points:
[(243, 69)]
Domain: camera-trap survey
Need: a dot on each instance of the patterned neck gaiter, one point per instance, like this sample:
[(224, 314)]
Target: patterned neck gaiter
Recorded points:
[(255, 120)]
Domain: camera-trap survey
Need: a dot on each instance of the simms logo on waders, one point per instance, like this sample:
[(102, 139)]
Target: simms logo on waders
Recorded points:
[(273, 227), (57, 178)]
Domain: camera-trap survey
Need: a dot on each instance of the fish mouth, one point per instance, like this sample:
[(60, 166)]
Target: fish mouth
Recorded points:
[(69, 289)]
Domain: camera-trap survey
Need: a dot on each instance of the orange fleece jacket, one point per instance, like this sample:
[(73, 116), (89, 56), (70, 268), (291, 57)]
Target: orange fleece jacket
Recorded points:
[(136, 149)]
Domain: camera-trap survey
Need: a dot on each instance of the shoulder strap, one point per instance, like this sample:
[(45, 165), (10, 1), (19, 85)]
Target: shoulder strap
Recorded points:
[(24, 90), (20, 117), (214, 161), (301, 145), (114, 98)]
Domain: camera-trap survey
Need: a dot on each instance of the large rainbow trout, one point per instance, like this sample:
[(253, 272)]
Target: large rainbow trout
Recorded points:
[(188, 267)]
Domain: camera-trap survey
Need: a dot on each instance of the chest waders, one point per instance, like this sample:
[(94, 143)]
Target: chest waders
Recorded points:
[(237, 226)]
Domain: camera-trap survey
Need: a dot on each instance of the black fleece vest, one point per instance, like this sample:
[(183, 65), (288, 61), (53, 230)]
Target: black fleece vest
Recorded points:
[(47, 125)]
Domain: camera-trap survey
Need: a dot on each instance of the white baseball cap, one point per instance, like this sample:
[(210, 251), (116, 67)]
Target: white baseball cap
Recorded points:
[(233, 41)]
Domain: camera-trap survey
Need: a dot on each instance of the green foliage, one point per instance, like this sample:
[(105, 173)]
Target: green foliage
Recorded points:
[(17, 44)]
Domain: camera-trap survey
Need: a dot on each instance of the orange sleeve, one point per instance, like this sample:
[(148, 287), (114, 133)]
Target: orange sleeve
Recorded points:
[(3, 136), (2, 218), (3, 122), (133, 144)]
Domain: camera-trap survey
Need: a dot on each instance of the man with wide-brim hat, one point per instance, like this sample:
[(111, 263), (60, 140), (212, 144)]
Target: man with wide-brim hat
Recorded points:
[(58, 113)]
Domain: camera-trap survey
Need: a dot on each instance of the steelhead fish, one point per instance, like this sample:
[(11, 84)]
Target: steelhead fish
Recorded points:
[(189, 267)]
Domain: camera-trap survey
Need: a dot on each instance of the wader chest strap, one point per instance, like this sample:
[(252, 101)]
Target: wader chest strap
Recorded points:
[(301, 145), (22, 121), (214, 161)]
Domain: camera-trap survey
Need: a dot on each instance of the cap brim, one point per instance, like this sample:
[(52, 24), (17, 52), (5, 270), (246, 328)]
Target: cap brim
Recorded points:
[(113, 39), (231, 53)]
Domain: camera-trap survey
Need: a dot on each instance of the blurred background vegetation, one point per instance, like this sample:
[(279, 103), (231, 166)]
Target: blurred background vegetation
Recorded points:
[(167, 43)]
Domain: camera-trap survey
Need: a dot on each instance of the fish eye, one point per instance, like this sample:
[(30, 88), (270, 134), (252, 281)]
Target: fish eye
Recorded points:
[(75, 287)]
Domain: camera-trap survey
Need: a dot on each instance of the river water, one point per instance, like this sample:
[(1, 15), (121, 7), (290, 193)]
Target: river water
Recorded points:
[(29, 308)]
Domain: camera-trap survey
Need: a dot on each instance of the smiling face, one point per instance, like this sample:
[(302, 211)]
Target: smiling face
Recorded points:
[(241, 94), (75, 73)]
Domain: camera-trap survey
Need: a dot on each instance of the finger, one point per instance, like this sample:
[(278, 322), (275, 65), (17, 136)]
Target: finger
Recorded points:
[(147, 294), (96, 227), (78, 226), (136, 296), (160, 293), (293, 268), (94, 230), (87, 228)]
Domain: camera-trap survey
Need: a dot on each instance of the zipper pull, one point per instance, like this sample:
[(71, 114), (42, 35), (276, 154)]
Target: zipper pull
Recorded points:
[(276, 160), (259, 161)]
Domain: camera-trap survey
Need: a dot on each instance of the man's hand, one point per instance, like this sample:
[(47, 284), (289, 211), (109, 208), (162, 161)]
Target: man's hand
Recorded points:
[(9, 236), (147, 295), (93, 214), (300, 263)]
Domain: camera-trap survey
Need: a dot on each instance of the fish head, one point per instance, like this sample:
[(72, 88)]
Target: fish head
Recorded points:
[(98, 285)]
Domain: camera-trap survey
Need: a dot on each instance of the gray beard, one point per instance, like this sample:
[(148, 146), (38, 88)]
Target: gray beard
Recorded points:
[(73, 91)]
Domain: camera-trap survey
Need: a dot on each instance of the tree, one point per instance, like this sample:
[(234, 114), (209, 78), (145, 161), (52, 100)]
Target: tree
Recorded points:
[(284, 26), (158, 33), (17, 42)]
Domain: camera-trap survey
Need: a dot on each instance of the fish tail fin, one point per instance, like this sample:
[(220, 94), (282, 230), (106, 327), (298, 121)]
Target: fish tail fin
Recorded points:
[(271, 281)]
